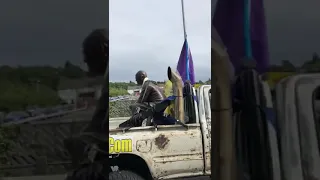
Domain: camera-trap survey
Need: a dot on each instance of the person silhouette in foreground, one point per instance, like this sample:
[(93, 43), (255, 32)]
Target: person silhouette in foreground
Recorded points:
[(150, 94), (96, 56)]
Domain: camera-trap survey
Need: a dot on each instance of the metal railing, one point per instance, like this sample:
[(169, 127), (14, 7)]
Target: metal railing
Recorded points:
[(39, 148), (122, 98)]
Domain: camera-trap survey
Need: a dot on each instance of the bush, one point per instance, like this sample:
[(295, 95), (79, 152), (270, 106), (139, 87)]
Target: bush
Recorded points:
[(113, 92), (274, 77), (17, 96), (196, 85)]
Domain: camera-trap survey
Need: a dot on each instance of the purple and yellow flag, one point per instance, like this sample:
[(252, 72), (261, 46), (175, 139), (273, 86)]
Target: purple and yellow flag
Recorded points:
[(242, 27), (185, 64)]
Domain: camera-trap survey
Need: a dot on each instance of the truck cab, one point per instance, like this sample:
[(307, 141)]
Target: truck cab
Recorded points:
[(297, 105), (293, 128)]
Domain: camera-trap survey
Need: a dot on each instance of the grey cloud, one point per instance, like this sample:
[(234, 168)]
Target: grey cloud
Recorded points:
[(47, 32), (293, 29), (50, 32), (148, 35)]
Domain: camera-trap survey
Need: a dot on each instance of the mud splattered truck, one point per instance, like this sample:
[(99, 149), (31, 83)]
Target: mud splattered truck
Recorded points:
[(165, 151)]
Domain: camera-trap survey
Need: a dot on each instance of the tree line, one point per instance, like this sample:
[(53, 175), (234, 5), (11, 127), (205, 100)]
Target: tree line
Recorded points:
[(35, 85), (121, 88), (38, 85), (309, 66)]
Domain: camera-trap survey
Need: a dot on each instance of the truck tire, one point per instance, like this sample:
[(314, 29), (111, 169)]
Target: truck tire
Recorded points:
[(124, 175)]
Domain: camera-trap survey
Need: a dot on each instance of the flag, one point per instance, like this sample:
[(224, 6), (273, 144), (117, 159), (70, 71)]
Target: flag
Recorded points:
[(230, 18), (185, 64)]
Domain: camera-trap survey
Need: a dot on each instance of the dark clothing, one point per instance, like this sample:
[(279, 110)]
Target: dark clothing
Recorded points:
[(98, 125), (135, 121), (150, 93), (100, 119)]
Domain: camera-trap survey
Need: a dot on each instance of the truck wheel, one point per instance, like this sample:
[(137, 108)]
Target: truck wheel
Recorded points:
[(124, 175)]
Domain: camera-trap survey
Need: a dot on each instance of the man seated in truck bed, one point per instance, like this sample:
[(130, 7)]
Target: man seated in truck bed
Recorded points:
[(150, 95)]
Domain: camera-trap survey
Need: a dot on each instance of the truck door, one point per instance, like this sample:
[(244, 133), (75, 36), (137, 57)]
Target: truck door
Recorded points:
[(298, 126)]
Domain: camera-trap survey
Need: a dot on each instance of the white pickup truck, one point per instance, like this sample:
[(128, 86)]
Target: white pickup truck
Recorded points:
[(165, 151)]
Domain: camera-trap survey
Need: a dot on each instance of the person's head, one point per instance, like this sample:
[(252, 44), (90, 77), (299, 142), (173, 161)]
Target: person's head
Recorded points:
[(140, 76), (95, 48)]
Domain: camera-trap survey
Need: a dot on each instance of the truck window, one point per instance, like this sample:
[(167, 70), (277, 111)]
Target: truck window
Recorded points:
[(208, 102), (316, 111)]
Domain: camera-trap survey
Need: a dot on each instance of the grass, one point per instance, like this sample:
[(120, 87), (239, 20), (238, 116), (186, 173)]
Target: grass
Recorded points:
[(275, 77)]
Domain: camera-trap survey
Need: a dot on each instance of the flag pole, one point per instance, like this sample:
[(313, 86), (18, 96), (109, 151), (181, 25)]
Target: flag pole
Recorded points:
[(185, 39), (183, 20)]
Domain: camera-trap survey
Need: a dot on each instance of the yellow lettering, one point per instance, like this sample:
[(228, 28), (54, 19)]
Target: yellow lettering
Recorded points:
[(111, 145), (126, 145), (117, 145), (120, 145)]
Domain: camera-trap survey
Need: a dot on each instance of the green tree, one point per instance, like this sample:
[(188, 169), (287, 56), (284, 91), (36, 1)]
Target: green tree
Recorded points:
[(17, 96)]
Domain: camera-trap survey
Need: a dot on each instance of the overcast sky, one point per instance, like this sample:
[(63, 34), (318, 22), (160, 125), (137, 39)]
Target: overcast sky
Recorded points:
[(148, 35), (38, 32), (293, 29)]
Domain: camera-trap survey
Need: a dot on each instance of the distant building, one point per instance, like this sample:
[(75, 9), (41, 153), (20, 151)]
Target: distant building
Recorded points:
[(134, 90), (84, 91)]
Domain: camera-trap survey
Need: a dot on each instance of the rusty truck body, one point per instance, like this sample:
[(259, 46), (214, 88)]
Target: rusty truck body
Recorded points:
[(166, 151)]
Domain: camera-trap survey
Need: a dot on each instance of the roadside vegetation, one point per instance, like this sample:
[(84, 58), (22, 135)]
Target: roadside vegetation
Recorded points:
[(33, 85)]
